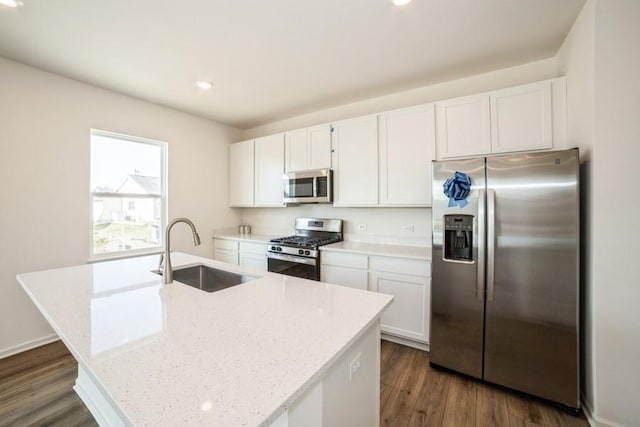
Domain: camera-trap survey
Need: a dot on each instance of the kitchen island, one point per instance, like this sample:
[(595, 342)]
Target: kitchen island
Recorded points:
[(277, 350)]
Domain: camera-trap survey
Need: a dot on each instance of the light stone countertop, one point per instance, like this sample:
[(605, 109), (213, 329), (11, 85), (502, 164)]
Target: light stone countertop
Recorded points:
[(175, 355), (255, 238), (383, 249), (367, 248)]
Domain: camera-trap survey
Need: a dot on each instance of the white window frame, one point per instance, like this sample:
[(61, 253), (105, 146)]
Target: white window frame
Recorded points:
[(164, 188)]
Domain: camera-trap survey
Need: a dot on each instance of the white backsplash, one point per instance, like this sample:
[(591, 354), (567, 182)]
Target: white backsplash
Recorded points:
[(383, 225)]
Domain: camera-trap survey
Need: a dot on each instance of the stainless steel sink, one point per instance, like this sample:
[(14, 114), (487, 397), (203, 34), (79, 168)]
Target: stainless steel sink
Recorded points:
[(208, 279)]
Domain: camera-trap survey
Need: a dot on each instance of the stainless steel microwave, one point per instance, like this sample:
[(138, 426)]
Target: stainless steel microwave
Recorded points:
[(314, 186)]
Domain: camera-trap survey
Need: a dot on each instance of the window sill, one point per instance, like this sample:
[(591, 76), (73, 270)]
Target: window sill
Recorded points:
[(124, 255)]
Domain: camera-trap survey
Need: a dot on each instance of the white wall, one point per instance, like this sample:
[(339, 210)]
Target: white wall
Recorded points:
[(602, 61), (383, 224), (576, 61), (616, 202), (44, 179), (513, 76)]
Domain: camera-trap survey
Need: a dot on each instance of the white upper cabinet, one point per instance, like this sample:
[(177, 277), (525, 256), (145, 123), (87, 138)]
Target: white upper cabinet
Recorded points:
[(269, 168), (521, 118), (296, 150), (308, 148), (355, 161), (462, 126), (255, 172), (407, 147), (241, 173)]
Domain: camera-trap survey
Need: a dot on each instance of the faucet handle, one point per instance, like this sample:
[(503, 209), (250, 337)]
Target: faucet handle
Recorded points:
[(161, 261)]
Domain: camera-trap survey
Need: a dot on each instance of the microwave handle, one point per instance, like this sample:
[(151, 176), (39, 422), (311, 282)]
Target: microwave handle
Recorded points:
[(315, 186)]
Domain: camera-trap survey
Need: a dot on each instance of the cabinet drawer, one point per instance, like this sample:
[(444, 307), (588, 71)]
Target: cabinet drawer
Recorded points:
[(253, 248), (344, 276), (343, 259), (230, 257), (229, 245), (400, 265)]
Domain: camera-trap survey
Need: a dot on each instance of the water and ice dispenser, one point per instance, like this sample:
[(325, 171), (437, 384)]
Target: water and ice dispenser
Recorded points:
[(458, 237)]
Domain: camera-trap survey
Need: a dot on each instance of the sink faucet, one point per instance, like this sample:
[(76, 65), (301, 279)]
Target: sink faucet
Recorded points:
[(167, 270)]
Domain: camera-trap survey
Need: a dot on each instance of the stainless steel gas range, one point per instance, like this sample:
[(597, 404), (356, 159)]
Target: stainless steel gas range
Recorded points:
[(298, 255)]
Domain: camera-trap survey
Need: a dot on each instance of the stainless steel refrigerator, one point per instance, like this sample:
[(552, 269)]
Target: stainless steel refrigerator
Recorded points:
[(505, 290)]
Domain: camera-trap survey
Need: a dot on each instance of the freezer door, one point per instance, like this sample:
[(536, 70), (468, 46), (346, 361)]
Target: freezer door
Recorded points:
[(457, 294), (531, 329)]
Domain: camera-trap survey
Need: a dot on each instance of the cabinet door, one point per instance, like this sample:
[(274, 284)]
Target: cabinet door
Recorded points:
[(269, 170), (355, 161), (407, 147), (319, 147), (344, 276), (296, 151), (521, 118), (258, 262), (463, 127), (241, 170), (408, 315), (227, 256)]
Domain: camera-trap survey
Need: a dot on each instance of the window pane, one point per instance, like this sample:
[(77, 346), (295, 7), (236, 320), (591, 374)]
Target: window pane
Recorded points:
[(118, 228), (127, 194), (114, 161)]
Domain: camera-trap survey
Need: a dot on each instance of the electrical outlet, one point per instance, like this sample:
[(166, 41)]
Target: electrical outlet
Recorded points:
[(354, 366), (408, 228), (362, 227)]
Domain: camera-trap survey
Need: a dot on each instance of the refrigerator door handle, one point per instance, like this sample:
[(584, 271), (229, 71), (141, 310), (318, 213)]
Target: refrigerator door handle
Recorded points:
[(491, 241), (481, 245)]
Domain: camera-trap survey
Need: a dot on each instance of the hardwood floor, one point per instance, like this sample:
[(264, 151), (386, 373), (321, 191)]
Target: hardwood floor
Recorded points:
[(36, 390), (413, 394)]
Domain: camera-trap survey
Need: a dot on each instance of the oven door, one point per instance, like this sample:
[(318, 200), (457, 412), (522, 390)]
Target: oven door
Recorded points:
[(291, 265)]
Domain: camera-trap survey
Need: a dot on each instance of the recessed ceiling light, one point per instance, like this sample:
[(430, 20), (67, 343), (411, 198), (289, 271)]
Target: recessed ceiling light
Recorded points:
[(203, 84), (401, 2), (11, 3)]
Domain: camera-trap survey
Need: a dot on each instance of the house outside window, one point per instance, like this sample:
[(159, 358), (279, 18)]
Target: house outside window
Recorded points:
[(128, 194)]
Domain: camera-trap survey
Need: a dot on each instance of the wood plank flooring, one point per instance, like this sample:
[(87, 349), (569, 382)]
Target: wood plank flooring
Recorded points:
[(413, 394), (36, 390)]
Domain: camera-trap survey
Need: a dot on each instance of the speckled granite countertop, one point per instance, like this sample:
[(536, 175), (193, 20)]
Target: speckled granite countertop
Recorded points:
[(413, 252), (175, 355), (255, 238)]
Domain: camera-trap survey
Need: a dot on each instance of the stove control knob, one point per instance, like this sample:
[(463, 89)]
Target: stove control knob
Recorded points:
[(301, 252), (279, 249), (273, 248), (307, 252)]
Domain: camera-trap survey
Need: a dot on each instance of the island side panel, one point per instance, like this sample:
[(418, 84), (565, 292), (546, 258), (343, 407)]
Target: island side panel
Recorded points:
[(349, 393)]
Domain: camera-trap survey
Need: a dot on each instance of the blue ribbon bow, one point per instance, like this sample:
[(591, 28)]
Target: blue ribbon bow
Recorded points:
[(457, 189)]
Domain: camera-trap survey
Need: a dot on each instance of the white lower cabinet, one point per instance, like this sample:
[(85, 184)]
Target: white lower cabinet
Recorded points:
[(345, 276), (246, 254), (408, 280), (408, 316), (253, 255), (225, 251), (344, 269)]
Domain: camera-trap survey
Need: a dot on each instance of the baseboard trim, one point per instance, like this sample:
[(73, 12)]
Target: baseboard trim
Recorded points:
[(404, 341), (28, 345), (593, 419)]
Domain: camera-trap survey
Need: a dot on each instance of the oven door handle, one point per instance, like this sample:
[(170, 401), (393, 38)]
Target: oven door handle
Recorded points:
[(291, 258)]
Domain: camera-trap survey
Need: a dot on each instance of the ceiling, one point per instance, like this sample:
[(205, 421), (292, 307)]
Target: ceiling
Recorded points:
[(271, 60)]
